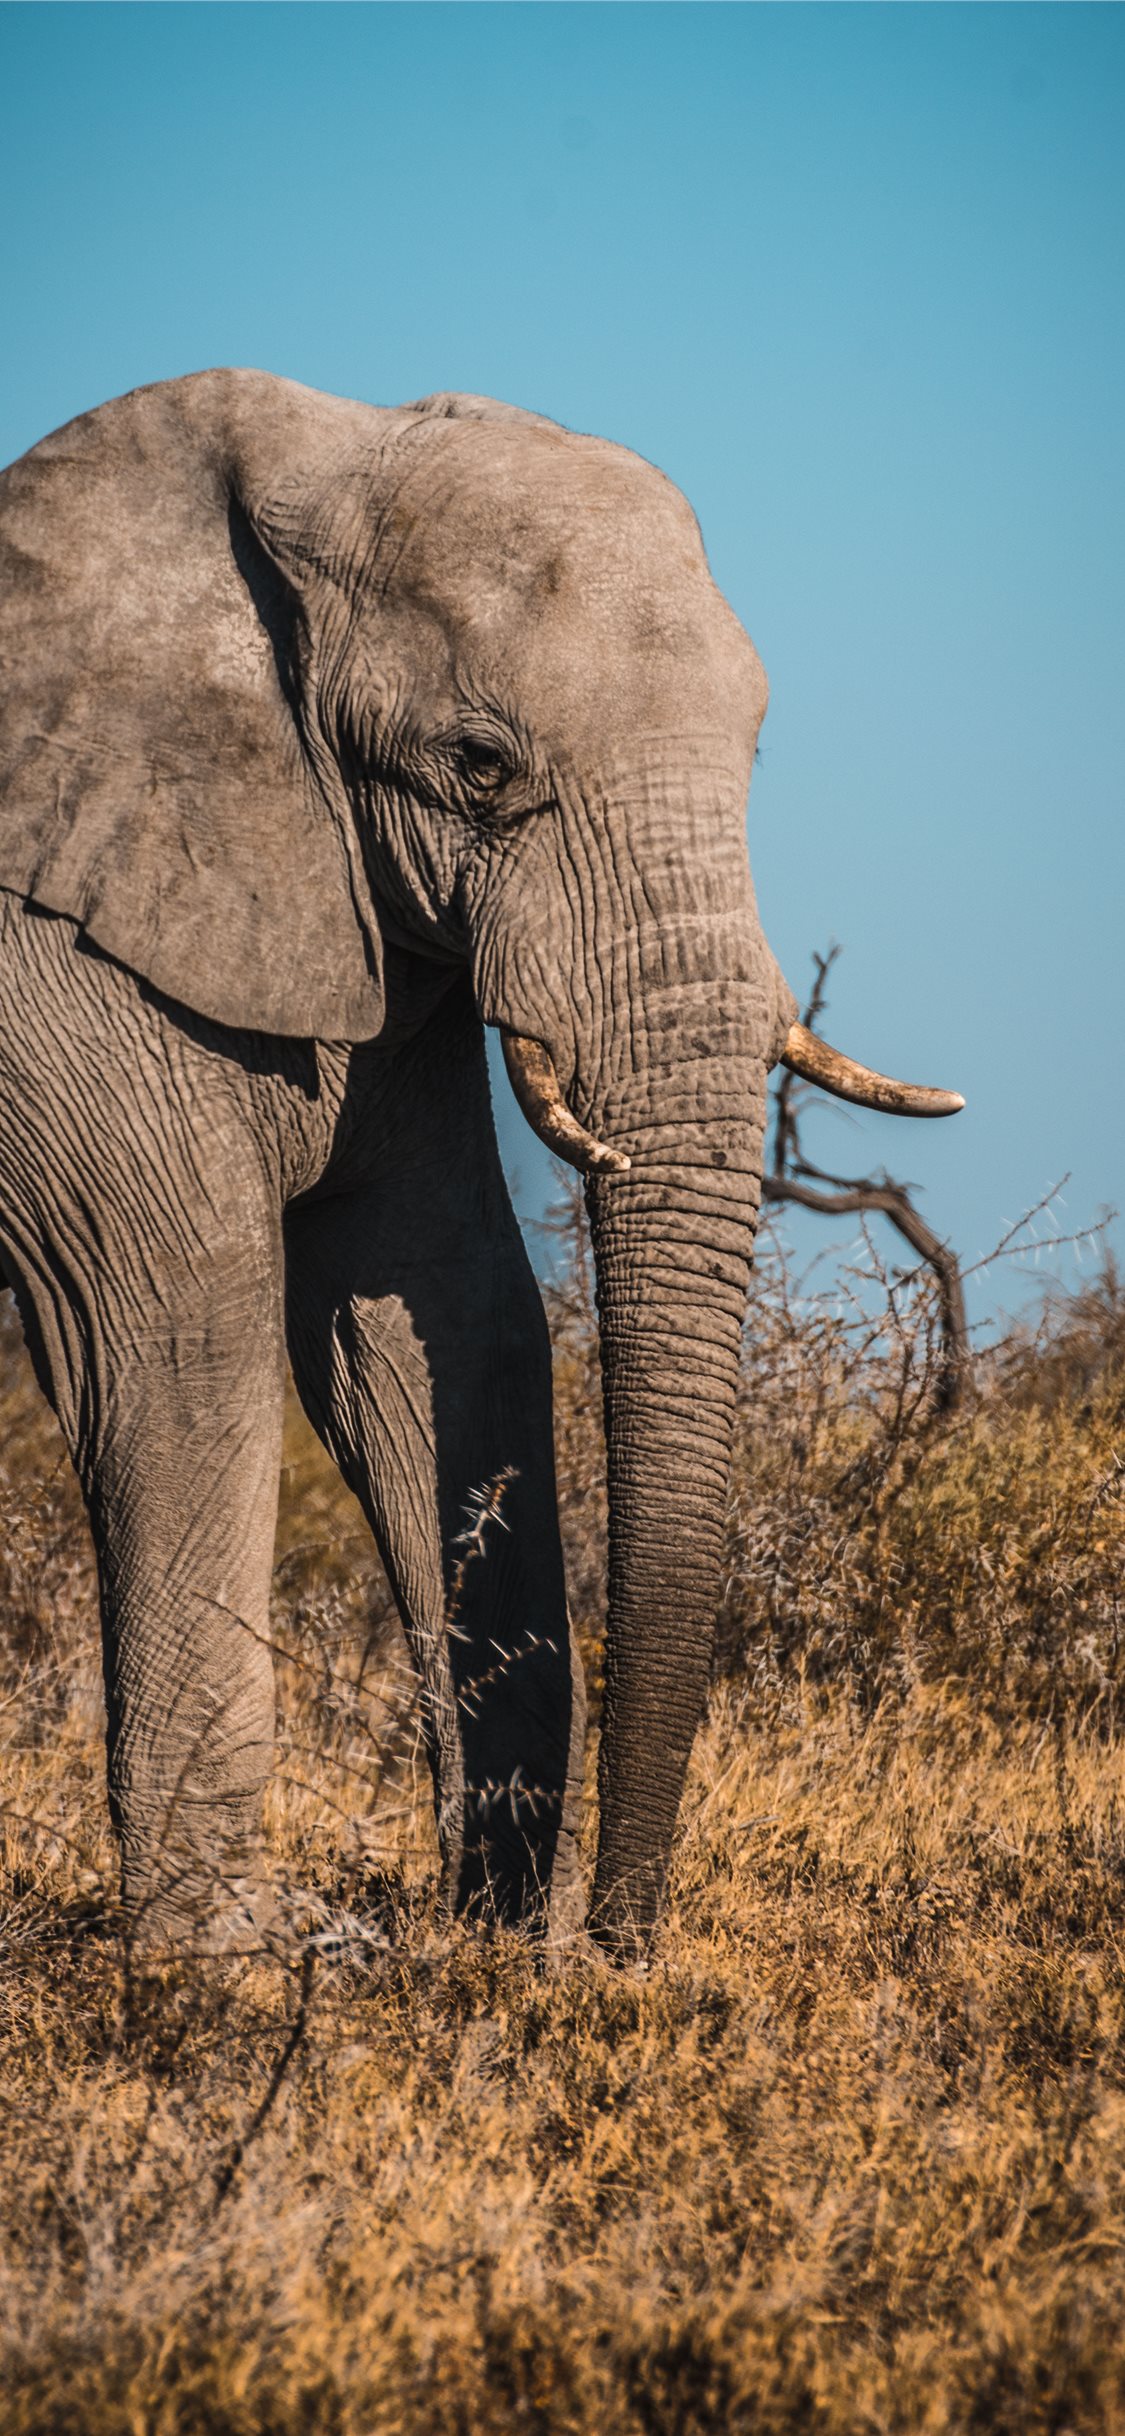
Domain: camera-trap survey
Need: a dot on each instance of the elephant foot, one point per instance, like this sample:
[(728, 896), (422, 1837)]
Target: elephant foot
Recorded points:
[(180, 1909), (196, 1879), (235, 1922)]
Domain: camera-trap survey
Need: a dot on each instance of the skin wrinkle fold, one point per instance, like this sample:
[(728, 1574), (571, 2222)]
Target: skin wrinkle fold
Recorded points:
[(626, 932)]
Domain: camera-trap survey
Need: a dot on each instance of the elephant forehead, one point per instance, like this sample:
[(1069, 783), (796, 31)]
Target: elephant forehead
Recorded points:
[(563, 571), (488, 516)]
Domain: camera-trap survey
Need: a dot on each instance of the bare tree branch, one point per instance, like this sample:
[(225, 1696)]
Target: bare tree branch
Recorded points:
[(793, 1178)]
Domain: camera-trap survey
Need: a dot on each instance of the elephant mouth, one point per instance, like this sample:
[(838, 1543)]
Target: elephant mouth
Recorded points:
[(531, 1071)]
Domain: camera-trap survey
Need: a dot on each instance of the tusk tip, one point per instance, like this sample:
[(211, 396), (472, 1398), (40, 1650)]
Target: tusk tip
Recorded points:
[(806, 1054)]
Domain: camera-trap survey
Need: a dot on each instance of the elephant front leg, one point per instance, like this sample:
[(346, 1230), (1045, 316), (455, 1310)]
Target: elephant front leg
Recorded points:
[(183, 1498), (427, 1373), (173, 1415)]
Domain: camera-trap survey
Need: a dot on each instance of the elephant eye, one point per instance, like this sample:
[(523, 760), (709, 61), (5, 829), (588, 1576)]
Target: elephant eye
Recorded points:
[(482, 767)]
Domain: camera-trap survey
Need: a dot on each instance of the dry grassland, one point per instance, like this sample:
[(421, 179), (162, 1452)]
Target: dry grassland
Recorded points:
[(850, 2157)]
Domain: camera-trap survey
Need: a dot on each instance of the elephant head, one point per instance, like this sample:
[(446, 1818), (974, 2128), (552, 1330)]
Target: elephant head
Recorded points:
[(291, 676)]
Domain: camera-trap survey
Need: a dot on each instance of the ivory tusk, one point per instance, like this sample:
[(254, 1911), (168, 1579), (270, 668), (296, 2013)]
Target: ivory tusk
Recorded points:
[(816, 1062), (533, 1078)]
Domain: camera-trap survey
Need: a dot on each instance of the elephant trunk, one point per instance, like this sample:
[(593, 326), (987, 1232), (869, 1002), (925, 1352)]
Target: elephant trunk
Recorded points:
[(672, 1244), (684, 1096), (641, 1014)]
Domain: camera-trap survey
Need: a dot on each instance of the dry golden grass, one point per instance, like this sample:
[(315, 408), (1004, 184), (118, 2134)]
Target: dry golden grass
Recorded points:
[(850, 2157)]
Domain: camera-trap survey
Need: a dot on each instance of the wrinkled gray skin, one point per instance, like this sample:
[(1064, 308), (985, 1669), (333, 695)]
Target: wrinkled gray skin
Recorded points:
[(331, 734)]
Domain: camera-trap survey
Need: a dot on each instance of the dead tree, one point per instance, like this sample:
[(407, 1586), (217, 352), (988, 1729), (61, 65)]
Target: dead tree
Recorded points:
[(793, 1178)]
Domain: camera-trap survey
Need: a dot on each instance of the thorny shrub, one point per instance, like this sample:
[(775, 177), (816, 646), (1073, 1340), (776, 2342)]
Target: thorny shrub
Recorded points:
[(875, 1546), (873, 1543)]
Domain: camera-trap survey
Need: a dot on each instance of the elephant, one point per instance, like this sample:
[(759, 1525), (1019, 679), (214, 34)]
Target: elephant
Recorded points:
[(332, 734)]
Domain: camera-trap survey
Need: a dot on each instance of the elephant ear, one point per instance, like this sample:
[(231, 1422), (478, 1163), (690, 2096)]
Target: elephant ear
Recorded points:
[(160, 781)]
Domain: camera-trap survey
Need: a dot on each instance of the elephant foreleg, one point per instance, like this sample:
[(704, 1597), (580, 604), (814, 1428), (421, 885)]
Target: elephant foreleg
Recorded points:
[(177, 1444), (183, 1497), (139, 1226)]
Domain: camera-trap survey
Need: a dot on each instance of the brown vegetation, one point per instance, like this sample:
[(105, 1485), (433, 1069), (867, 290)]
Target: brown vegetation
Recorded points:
[(850, 2157)]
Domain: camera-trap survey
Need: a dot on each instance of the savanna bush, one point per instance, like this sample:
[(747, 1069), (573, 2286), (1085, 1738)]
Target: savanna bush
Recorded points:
[(875, 1544), (872, 1542)]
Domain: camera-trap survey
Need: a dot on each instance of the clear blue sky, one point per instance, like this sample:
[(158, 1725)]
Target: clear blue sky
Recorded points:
[(853, 276)]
